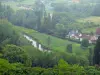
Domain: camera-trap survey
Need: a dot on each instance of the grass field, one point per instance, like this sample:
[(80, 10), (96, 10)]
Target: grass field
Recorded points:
[(14, 5), (96, 23), (56, 44), (28, 2), (89, 30), (93, 19)]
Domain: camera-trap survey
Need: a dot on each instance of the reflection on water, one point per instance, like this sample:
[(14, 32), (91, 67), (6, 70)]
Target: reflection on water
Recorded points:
[(36, 44)]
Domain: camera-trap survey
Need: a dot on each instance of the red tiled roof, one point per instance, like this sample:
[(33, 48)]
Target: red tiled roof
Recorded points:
[(76, 0), (98, 31), (85, 36)]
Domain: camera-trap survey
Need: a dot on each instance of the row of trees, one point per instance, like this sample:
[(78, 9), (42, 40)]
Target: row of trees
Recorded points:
[(57, 23), (62, 68)]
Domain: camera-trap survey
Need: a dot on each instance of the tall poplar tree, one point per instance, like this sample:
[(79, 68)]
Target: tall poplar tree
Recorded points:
[(39, 9)]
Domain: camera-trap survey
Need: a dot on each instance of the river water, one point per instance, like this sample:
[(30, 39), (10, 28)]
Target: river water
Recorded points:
[(36, 44)]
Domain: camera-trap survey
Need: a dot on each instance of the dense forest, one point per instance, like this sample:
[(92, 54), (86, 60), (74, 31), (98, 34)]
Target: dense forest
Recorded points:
[(34, 39)]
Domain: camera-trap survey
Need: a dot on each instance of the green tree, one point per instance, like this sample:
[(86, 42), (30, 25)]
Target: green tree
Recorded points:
[(85, 43), (97, 53), (5, 11), (47, 26), (14, 54), (90, 56), (66, 69), (96, 11), (69, 48), (7, 32), (48, 41), (39, 9)]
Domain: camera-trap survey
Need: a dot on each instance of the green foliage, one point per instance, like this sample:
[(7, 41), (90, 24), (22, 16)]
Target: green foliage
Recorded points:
[(39, 12), (58, 23), (96, 52), (63, 68), (66, 69), (49, 41), (24, 18), (91, 70), (64, 16), (22, 41), (38, 58), (85, 43), (14, 54), (7, 33), (69, 48), (5, 66), (96, 11), (91, 54), (5, 11), (58, 46)]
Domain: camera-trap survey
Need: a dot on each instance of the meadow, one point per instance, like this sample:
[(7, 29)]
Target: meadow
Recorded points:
[(93, 24), (93, 19), (15, 6)]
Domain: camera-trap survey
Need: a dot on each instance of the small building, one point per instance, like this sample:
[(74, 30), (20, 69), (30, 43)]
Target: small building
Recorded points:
[(73, 1), (98, 32), (90, 38), (93, 39), (73, 33), (76, 35), (76, 1)]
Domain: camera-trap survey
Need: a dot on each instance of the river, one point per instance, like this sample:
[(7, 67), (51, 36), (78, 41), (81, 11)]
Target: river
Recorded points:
[(36, 44)]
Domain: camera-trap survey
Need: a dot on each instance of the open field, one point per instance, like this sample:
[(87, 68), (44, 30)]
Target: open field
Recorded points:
[(94, 24), (93, 19), (89, 30), (11, 4), (28, 2), (14, 5)]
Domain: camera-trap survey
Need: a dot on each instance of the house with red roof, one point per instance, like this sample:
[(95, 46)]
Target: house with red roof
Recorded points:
[(98, 32), (76, 35), (90, 38), (75, 1)]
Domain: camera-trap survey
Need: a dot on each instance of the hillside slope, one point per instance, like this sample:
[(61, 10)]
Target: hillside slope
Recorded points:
[(56, 44)]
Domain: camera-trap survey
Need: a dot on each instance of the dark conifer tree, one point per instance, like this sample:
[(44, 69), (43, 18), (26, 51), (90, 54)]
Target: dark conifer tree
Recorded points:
[(69, 48), (90, 56), (97, 52)]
